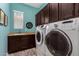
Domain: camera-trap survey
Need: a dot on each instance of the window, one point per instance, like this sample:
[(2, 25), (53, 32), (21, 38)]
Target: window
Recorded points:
[(18, 19)]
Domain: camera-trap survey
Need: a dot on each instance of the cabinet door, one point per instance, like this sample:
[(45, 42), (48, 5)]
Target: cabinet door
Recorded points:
[(27, 41), (53, 12), (13, 43), (76, 9), (46, 14), (66, 10), (42, 17), (38, 19)]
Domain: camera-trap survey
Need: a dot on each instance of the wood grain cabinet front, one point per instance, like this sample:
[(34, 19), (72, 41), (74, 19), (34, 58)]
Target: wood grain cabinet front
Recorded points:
[(38, 19), (21, 42), (53, 12), (13, 43), (76, 9), (66, 11), (46, 14)]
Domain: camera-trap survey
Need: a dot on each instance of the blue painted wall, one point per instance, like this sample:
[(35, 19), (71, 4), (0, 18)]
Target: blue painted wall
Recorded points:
[(4, 30), (29, 16)]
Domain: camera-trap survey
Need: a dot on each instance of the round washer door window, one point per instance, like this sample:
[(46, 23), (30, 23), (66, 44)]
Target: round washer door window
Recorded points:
[(58, 44)]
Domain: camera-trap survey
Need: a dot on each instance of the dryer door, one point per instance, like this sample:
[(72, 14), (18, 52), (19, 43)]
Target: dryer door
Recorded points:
[(39, 37), (58, 43)]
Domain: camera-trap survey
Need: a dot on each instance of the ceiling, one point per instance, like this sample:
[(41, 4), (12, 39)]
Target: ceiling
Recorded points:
[(36, 5)]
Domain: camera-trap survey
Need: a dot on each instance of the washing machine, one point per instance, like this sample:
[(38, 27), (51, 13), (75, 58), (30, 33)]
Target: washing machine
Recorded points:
[(62, 38), (39, 37)]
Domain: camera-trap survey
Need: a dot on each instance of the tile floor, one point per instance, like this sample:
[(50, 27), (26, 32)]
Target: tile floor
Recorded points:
[(29, 52)]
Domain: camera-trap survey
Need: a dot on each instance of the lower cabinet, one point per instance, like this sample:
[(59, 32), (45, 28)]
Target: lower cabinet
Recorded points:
[(18, 43)]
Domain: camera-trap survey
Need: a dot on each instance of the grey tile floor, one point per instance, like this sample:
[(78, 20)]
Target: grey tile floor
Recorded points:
[(29, 52)]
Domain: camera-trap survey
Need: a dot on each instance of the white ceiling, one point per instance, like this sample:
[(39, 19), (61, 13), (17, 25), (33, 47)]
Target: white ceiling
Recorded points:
[(36, 5)]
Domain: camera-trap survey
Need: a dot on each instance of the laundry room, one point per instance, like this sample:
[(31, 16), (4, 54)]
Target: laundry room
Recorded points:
[(39, 29)]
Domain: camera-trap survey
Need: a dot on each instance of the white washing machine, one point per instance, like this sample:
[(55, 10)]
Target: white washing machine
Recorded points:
[(62, 38), (39, 37)]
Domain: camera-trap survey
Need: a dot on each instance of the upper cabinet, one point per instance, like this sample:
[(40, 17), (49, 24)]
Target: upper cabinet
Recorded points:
[(53, 12), (76, 9), (42, 17), (38, 19), (66, 10), (46, 14)]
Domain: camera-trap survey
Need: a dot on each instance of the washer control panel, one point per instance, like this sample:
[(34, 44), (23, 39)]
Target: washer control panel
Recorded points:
[(68, 24)]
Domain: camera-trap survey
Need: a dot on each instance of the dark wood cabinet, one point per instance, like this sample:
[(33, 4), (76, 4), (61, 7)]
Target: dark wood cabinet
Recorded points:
[(13, 44), (38, 19), (46, 14), (20, 42), (42, 17), (66, 11), (53, 12), (76, 9)]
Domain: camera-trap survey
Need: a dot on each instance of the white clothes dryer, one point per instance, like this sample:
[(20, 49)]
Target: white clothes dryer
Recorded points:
[(39, 37)]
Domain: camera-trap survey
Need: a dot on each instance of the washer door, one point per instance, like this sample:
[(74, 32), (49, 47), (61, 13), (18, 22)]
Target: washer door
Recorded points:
[(58, 43), (39, 37)]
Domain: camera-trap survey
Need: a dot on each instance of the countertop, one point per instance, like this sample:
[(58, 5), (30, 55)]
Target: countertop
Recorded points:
[(25, 33)]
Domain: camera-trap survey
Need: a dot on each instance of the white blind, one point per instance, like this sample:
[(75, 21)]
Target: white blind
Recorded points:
[(18, 20)]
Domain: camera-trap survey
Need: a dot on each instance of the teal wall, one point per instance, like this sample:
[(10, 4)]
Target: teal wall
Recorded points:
[(29, 16), (4, 30)]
